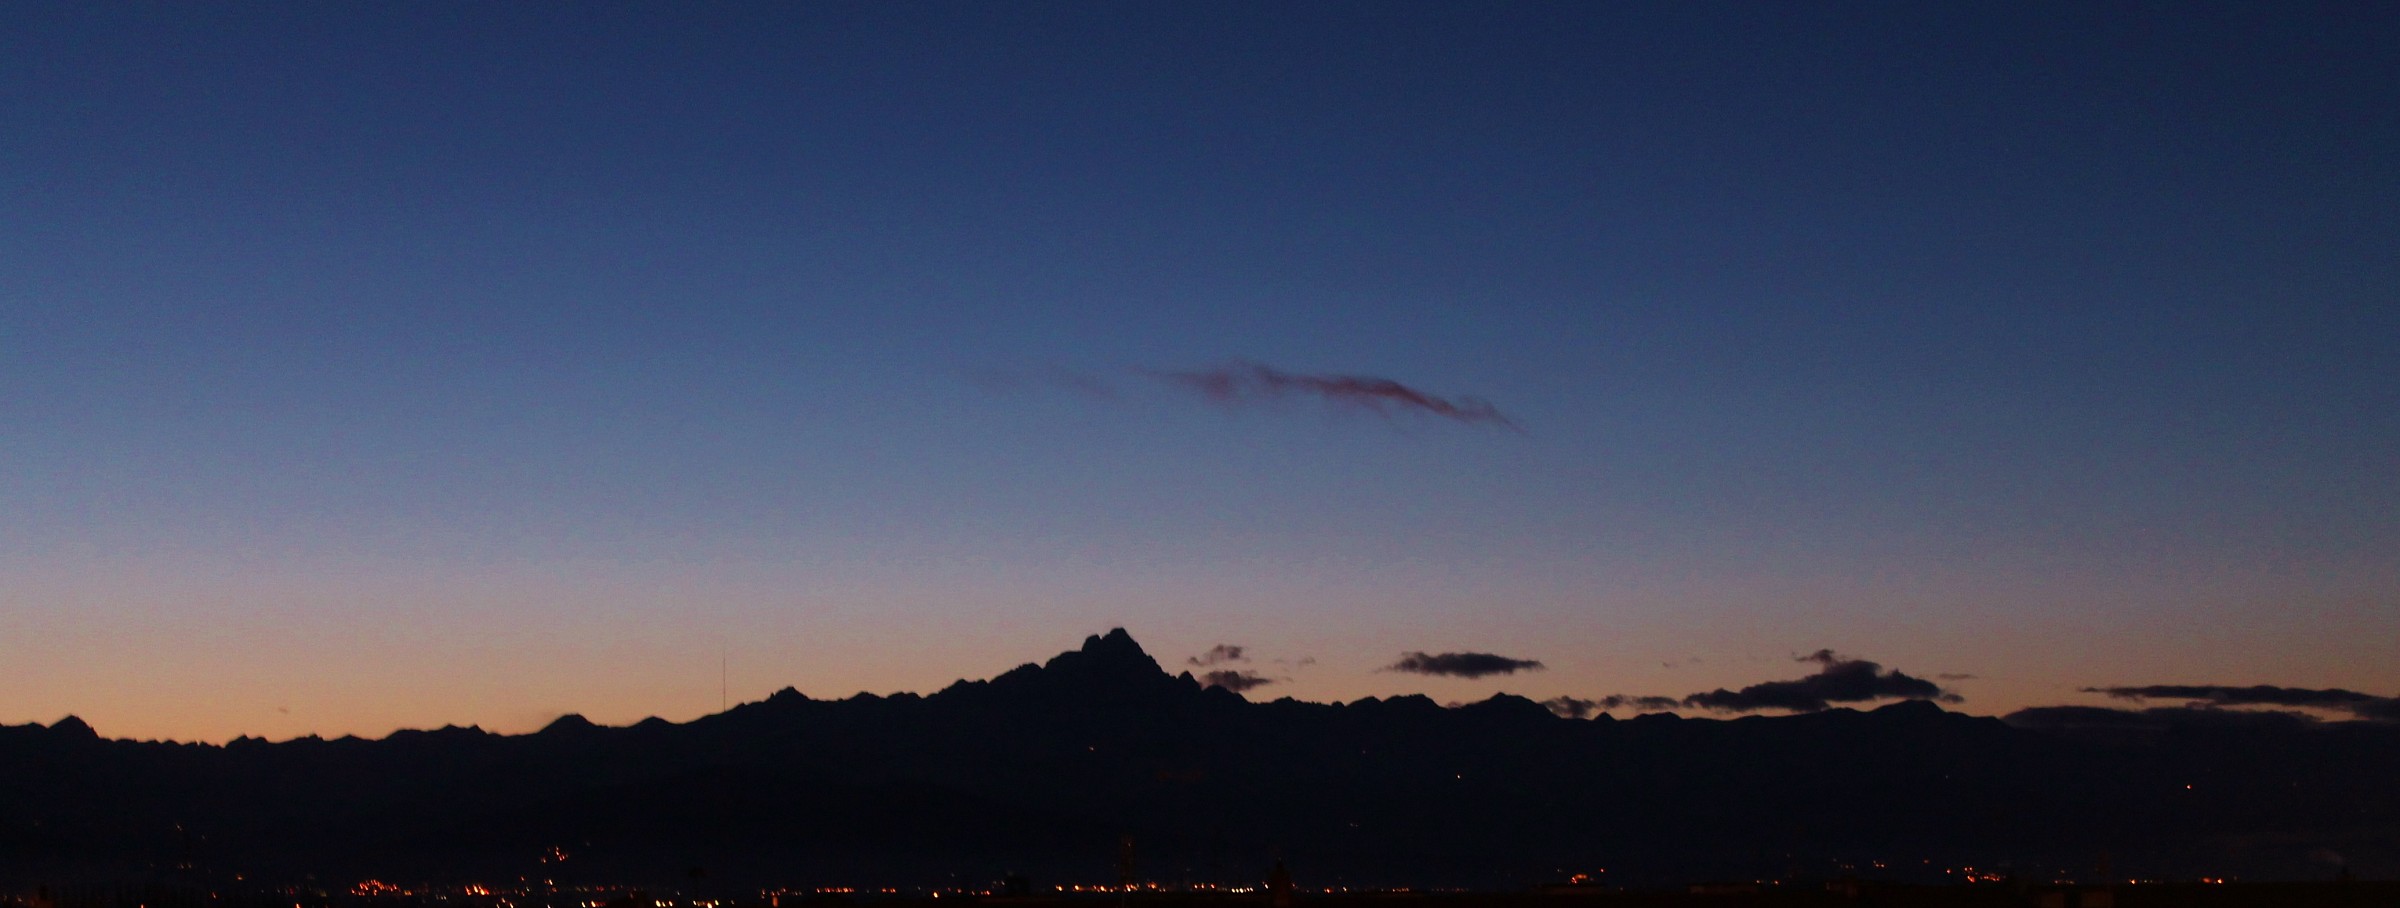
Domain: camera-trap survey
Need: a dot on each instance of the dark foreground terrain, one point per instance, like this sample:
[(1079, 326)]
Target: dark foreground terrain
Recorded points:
[(1840, 894), (1049, 770)]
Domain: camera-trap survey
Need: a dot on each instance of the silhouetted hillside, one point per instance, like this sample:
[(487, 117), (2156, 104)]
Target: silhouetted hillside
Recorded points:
[(1042, 769)]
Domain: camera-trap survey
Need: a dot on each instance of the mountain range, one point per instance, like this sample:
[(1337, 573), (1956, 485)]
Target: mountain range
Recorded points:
[(1050, 770)]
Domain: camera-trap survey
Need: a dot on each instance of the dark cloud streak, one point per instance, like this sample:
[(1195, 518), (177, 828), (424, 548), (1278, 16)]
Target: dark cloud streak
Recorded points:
[(1572, 707), (1218, 654), (1651, 704), (2254, 695), (1235, 680), (1241, 381), (2153, 720), (1839, 679), (1244, 381), (2209, 696), (1461, 665)]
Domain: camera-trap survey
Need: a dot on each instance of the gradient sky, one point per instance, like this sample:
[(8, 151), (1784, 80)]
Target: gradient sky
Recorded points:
[(391, 365)]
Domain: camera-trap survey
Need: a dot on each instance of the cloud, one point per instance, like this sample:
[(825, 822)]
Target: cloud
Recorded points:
[(1244, 381), (2384, 710), (2154, 719), (1220, 653), (1653, 704), (2065, 718), (2254, 695), (1461, 665), (2362, 705), (1235, 680), (1241, 381), (1572, 707), (1839, 679), (1580, 708)]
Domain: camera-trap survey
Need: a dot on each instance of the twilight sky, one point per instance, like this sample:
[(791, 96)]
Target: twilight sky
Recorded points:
[(377, 365)]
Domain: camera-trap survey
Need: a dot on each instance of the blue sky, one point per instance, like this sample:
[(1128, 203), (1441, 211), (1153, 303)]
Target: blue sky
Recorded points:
[(2052, 343)]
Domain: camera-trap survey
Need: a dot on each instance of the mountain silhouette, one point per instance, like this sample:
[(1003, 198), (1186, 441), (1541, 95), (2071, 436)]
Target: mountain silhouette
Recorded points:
[(1044, 769)]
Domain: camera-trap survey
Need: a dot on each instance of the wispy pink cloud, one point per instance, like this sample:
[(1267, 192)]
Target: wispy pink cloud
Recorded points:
[(1244, 381)]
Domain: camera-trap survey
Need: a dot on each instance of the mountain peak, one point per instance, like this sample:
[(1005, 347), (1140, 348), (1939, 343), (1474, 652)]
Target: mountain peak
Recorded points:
[(1109, 667), (1116, 644), (1112, 655), (1909, 709), (74, 727), (571, 723)]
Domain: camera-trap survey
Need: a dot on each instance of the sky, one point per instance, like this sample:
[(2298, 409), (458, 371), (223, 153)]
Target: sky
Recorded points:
[(369, 366)]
